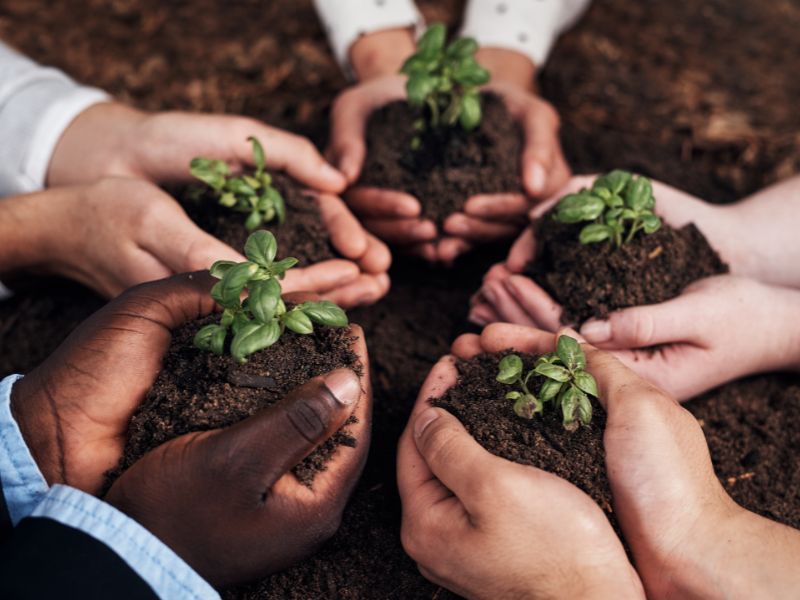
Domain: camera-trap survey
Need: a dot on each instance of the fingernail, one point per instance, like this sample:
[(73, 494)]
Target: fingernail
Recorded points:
[(596, 331), (538, 178), (344, 385), (489, 293), (474, 317), (425, 419)]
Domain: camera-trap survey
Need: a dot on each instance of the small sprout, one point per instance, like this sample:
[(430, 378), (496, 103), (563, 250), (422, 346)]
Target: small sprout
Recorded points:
[(567, 384), (443, 80), (250, 194), (617, 207), (259, 321)]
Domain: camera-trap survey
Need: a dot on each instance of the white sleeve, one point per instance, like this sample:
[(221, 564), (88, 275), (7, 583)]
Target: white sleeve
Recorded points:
[(347, 20), (527, 26), (36, 106)]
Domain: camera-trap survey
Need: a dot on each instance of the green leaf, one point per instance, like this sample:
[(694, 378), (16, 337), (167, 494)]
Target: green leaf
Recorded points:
[(615, 181), (210, 172), (418, 88), (228, 200), (551, 371), (595, 232), (219, 268), (280, 206), (258, 153), (240, 321), (325, 312), (263, 299), (252, 182), (527, 406), (216, 292), (254, 337), (513, 395), (587, 383), (240, 187), (432, 41), (299, 322), (569, 404), (202, 339), (462, 47), (549, 389), (639, 193), (218, 341), (253, 221), (470, 74), (584, 409), (651, 223), (569, 351), (452, 112), (261, 248), (470, 116), (227, 317), (279, 268), (583, 206), (510, 369), (234, 281)]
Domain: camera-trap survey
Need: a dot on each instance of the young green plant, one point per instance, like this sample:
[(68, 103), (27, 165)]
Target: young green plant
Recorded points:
[(443, 80), (565, 383), (617, 207), (260, 320), (250, 194)]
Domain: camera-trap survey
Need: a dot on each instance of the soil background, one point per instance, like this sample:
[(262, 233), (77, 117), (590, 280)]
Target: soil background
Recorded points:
[(701, 95)]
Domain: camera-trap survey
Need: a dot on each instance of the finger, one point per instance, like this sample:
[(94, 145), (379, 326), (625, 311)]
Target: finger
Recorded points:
[(498, 207), (365, 289), (140, 266), (321, 277), (560, 173), (540, 125), (537, 304), (382, 203), (448, 249), (377, 258), (498, 272), (427, 251), (502, 336), (276, 439), (505, 305), (618, 385), (402, 231), (347, 234), (483, 314), (294, 154), (522, 252), (642, 326), (466, 346), (478, 230)]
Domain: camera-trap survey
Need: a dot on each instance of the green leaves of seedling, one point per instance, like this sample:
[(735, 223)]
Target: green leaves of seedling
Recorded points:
[(564, 382), (443, 82), (258, 321), (617, 207), (250, 194)]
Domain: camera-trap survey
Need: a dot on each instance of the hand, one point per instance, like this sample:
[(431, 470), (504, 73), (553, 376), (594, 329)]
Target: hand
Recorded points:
[(688, 537), (111, 139), (483, 527), (255, 518)]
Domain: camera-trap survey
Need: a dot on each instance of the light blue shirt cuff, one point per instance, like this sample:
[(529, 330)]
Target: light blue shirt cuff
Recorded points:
[(24, 486), (163, 570)]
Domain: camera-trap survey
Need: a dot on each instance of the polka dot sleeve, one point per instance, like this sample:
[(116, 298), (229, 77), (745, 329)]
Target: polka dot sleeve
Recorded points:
[(527, 26), (347, 20)]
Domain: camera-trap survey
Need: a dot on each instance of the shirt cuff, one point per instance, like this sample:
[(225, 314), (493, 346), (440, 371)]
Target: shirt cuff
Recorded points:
[(529, 27), (5, 293), (347, 20), (24, 486), (162, 569)]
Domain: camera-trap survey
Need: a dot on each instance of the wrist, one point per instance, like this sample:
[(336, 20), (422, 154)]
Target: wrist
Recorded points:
[(381, 53), (613, 581), (508, 66)]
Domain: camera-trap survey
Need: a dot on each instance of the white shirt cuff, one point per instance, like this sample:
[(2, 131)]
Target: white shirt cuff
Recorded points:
[(347, 20), (162, 569)]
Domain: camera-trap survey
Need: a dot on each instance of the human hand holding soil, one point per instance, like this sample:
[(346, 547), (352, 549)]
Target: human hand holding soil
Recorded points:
[(483, 527)]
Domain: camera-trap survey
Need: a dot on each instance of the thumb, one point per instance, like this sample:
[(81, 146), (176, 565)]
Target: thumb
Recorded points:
[(268, 444), (642, 326)]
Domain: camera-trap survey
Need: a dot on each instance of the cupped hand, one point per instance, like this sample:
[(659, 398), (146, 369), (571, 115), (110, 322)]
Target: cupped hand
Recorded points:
[(110, 139), (255, 517), (483, 526)]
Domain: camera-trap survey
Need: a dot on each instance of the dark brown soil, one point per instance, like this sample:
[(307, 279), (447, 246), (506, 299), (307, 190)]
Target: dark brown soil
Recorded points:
[(700, 95), (303, 234), (478, 400), (593, 280), (451, 164), (197, 390)]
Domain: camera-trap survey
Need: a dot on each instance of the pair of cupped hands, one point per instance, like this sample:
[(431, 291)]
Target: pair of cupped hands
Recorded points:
[(475, 523)]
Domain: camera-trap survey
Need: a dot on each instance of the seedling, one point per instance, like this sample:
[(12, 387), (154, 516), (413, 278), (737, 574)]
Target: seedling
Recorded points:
[(618, 206), (251, 194), (443, 80), (259, 320), (566, 384)]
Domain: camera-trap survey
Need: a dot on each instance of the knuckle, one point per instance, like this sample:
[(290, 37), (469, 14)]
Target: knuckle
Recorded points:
[(439, 443), (642, 327)]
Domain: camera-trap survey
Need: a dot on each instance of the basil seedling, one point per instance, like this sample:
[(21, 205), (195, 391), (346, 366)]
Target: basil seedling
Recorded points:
[(567, 384), (618, 206), (259, 320), (251, 194), (443, 80)]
